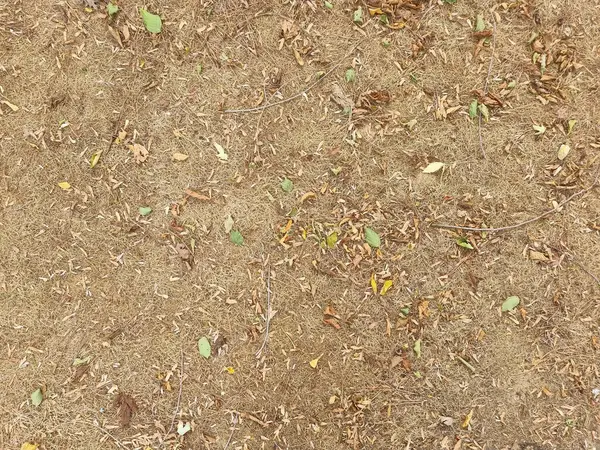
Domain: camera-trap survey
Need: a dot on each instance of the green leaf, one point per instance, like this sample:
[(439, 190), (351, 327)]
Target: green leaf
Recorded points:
[(37, 397), (350, 75), (485, 112), (405, 311), (473, 109), (417, 348), (204, 347), (287, 185), (81, 361), (372, 238), (112, 9), (510, 303), (145, 210), (332, 239), (328, 5), (463, 242), (572, 123), (152, 22), (450, 2), (358, 15), (480, 24), (199, 69), (236, 237)]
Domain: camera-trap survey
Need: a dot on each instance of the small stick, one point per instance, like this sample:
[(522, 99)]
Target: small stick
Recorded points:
[(178, 396), (266, 337), (117, 442), (468, 365), (485, 86), (293, 97), (234, 421), (521, 224)]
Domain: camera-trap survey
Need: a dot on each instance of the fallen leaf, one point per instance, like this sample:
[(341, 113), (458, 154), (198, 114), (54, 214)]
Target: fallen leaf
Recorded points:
[(81, 361), (387, 284), (332, 322), (94, 159), (510, 303), (433, 167), (357, 17), (196, 195), (350, 75), (29, 446), (140, 154), (37, 397), (467, 420), (287, 185), (236, 237), (152, 22), (145, 210), (331, 240), (230, 370), (473, 109), (372, 238), (183, 252), (327, 5), (539, 129), (485, 112), (221, 152), (204, 347), (563, 151), (463, 242), (179, 157), (182, 429), (307, 196), (373, 283), (64, 185), (448, 421), (298, 57), (314, 362), (228, 224), (417, 348), (537, 256), (424, 309), (572, 123), (480, 23), (127, 408), (112, 9)]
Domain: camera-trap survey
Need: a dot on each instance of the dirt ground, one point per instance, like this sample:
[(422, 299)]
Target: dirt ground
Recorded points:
[(256, 175)]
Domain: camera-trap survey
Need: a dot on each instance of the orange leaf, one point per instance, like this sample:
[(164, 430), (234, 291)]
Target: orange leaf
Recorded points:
[(333, 322), (194, 194)]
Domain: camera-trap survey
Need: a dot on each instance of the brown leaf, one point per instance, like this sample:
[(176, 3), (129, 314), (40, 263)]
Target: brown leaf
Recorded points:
[(483, 34), (289, 29), (332, 322), (424, 309), (183, 251), (127, 408), (197, 196), (330, 311)]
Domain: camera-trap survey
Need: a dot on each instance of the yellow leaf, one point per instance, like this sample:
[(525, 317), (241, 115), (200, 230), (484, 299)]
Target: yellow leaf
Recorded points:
[(563, 151), (315, 361), (386, 287), (64, 185), (29, 446), (230, 370), (467, 420), (373, 283), (95, 158)]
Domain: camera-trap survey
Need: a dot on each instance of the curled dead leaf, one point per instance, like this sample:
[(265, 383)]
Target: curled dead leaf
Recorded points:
[(140, 153)]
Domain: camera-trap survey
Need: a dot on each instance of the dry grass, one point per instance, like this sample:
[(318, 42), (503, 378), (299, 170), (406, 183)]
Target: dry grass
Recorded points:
[(84, 275)]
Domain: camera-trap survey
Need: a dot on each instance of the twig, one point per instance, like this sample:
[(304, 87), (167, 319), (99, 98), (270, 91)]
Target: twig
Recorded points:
[(526, 222), (487, 80), (467, 364), (268, 319), (234, 421), (178, 396), (116, 441), (293, 97)]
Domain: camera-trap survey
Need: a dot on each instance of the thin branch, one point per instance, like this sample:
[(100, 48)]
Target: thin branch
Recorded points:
[(178, 396), (268, 319), (487, 80), (526, 222), (234, 421), (293, 97)]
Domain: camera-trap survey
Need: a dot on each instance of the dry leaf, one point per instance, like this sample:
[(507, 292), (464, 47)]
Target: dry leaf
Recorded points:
[(537, 256), (433, 167), (373, 283), (307, 196), (387, 284), (563, 151), (228, 224), (332, 322), (127, 408), (197, 196), (139, 152), (467, 420), (179, 157), (183, 252), (64, 185)]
